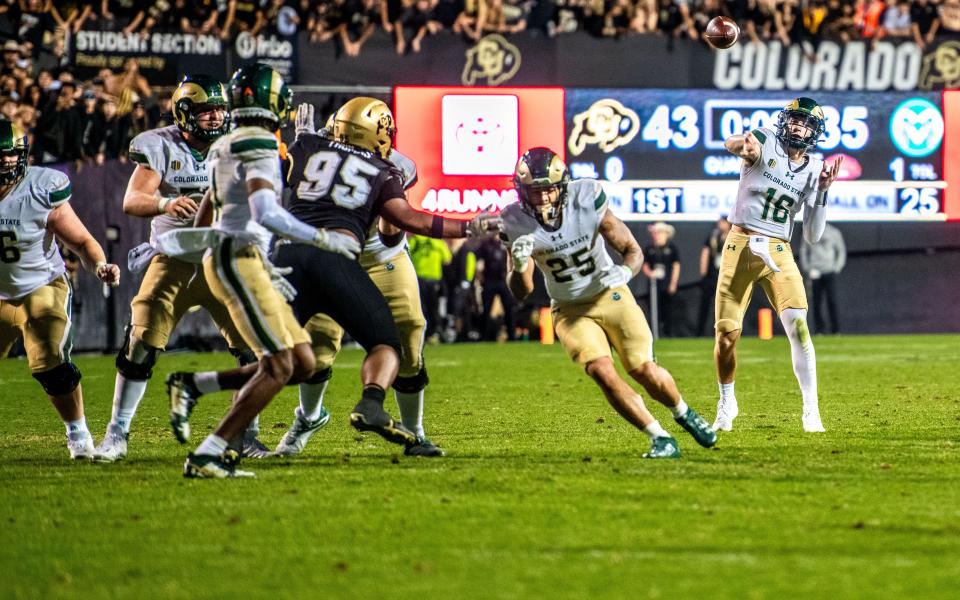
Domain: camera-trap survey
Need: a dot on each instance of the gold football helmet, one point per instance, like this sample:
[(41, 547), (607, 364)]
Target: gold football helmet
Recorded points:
[(366, 123)]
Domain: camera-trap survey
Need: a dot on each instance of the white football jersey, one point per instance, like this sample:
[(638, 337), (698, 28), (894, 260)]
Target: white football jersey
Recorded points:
[(29, 257), (244, 150), (183, 172), (574, 256), (772, 191), (374, 251)]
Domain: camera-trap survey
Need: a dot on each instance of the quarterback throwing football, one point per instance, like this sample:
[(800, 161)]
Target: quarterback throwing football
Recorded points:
[(563, 226)]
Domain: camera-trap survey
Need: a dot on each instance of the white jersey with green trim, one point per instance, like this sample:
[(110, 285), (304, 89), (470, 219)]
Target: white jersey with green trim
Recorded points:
[(183, 172), (374, 250), (245, 152), (772, 190), (29, 257), (574, 256)]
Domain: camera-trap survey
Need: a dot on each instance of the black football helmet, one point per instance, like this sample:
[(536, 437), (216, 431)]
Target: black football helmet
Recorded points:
[(541, 168), (13, 142)]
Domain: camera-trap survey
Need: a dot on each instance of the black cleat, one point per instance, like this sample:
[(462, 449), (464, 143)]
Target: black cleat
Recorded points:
[(183, 397), (368, 415), (424, 447), (208, 466)]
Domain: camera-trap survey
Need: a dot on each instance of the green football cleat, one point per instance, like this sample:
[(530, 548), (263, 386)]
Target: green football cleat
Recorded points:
[(183, 397), (208, 466), (698, 428), (424, 447), (663, 447)]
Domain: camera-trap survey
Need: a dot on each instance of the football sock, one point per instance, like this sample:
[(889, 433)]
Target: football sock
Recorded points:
[(311, 399), (726, 392), (206, 382), (127, 394), (375, 393), (77, 429), (213, 445), (253, 429), (654, 430), (411, 411), (801, 349), (680, 409)]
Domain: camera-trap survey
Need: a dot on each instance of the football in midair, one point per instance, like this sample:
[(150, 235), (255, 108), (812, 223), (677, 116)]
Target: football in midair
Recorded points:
[(722, 32)]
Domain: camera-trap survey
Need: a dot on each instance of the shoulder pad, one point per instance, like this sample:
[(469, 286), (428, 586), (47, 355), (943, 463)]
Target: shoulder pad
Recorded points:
[(147, 149), (763, 134), (406, 166), (53, 186), (254, 146)]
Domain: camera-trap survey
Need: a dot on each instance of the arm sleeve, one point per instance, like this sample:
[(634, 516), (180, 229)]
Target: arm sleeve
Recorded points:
[(814, 222), (266, 211)]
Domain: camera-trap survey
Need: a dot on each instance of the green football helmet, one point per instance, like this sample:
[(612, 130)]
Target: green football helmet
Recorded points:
[(258, 92), (13, 142), (808, 113), (196, 94)]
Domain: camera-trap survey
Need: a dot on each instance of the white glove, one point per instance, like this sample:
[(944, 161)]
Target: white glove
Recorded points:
[(280, 282), (521, 250), (304, 119), (334, 241), (483, 224), (616, 276)]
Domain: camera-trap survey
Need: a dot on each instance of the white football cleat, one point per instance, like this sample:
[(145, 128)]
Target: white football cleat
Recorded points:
[(727, 411), (811, 420), (81, 446), (295, 440), (113, 447)]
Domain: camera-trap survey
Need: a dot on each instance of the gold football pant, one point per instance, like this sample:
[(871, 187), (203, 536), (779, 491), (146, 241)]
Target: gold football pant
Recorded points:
[(43, 317)]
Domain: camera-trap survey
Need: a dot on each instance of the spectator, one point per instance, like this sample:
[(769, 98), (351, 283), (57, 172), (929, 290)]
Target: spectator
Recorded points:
[(429, 256), (492, 271), (840, 22), (281, 19), (445, 13), (662, 266), (516, 12), (121, 15), (458, 279), (70, 15), (897, 22), (823, 262), (950, 16), (924, 22), (467, 22), (243, 15), (59, 134), (619, 18), (645, 17), (413, 25), (360, 25), (114, 132), (128, 86), (8, 108), (36, 20), (710, 256), (867, 17)]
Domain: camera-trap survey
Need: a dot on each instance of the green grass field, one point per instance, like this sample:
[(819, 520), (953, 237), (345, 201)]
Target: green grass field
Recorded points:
[(543, 493)]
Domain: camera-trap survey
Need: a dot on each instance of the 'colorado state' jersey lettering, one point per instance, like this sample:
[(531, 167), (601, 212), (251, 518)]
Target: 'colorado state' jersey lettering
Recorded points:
[(29, 257), (183, 171), (574, 256), (244, 152), (771, 193)]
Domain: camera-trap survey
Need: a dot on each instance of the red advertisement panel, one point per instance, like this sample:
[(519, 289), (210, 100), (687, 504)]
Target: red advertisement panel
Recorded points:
[(951, 154)]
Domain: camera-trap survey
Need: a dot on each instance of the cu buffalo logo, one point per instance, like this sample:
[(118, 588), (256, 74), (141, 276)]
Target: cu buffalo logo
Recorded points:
[(493, 59), (941, 68), (607, 123)]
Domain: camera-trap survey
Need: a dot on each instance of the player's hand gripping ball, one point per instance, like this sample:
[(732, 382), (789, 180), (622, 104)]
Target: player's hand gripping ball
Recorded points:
[(722, 32)]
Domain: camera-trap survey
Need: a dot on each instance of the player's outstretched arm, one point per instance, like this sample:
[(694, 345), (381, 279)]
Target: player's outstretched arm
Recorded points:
[(399, 213), (141, 200), (745, 146), (65, 224), (618, 235)]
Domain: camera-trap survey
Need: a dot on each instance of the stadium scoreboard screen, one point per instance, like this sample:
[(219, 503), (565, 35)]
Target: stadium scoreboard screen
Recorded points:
[(661, 151)]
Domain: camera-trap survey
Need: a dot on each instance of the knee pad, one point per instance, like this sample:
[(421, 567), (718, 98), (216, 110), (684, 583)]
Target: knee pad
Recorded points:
[(59, 380), (727, 325), (320, 376), (412, 385), (136, 359), (244, 357)]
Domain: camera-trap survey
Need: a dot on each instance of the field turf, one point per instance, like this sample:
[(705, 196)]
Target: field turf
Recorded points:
[(543, 494)]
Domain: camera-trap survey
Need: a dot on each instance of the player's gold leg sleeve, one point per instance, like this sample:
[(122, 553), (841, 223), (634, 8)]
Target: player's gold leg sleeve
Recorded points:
[(161, 301), (325, 336), (397, 281), (48, 331)]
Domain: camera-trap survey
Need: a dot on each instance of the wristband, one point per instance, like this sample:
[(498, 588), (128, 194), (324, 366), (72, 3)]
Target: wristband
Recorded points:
[(100, 264), (821, 199), (436, 227), (162, 204)]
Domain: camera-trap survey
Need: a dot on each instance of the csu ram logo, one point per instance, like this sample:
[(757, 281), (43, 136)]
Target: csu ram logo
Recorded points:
[(607, 123), (494, 59)]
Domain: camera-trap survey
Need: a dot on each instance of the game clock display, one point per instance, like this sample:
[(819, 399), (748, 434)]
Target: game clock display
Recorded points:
[(662, 154)]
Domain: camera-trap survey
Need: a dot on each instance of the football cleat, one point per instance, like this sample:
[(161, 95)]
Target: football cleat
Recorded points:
[(663, 447), (113, 447), (183, 397), (727, 411), (367, 415), (811, 420), (253, 447), (423, 447), (208, 466), (296, 438), (696, 426), (80, 446)]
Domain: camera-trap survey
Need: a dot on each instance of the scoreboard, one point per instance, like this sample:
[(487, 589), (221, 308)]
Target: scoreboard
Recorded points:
[(661, 152)]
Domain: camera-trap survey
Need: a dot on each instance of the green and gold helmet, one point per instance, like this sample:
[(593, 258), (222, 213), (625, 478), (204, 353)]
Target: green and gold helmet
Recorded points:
[(367, 123), (13, 143), (806, 113), (197, 94), (541, 168), (258, 92)]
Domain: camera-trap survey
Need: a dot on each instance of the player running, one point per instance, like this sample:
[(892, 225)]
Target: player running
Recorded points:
[(778, 177), (35, 295), (557, 225), (166, 186), (392, 272), (245, 186)]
